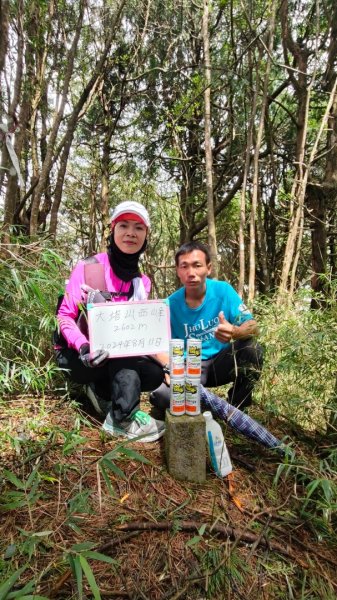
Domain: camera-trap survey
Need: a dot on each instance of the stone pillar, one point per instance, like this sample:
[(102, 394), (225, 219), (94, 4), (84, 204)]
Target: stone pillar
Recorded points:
[(185, 447)]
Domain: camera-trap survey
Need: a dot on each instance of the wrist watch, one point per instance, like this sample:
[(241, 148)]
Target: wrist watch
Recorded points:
[(166, 369)]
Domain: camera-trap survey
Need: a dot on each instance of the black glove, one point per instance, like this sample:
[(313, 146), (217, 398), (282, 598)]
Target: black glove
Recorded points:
[(96, 359)]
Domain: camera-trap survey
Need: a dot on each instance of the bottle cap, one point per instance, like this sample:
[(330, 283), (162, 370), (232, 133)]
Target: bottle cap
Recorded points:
[(208, 415)]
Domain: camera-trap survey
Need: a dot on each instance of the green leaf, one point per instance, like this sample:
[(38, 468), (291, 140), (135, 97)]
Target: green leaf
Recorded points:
[(14, 479), (76, 568), (48, 478), (8, 584), (10, 551), (90, 577), (327, 489), (98, 556), (134, 454), (26, 597), (202, 529), (13, 504), (71, 442), (84, 546), (112, 454), (107, 480), (194, 540), (116, 470), (27, 589), (41, 533), (31, 478), (72, 522), (311, 487)]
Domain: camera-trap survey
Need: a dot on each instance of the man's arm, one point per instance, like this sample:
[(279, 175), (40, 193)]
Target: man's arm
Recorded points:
[(225, 332), (164, 359)]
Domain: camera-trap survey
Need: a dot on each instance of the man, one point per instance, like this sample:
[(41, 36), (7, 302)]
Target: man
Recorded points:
[(214, 313)]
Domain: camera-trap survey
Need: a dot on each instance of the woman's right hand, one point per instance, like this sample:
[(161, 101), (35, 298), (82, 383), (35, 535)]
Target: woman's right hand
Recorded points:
[(96, 359)]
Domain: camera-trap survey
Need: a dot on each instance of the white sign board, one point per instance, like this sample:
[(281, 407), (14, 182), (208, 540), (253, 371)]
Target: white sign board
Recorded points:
[(129, 328)]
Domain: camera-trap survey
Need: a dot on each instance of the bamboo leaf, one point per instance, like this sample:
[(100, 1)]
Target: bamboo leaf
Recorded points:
[(327, 489), (83, 547), (14, 479), (107, 480), (76, 568), (98, 556), (194, 540), (8, 584), (27, 589), (90, 577), (116, 470), (31, 478), (135, 455), (26, 596), (311, 487)]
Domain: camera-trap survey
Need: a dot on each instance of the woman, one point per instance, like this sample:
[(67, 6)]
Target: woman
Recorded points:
[(113, 385)]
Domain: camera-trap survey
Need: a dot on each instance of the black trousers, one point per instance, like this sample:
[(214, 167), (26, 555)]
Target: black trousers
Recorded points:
[(120, 380), (240, 364)]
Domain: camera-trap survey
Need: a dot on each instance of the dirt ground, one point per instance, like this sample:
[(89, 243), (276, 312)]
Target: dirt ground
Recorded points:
[(246, 536)]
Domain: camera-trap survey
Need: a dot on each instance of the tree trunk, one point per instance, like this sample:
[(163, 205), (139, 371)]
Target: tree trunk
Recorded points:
[(92, 219), (208, 145), (4, 24), (86, 96), (253, 214), (12, 191), (105, 191), (331, 431), (262, 251), (297, 196), (48, 162), (299, 193), (316, 203), (243, 199)]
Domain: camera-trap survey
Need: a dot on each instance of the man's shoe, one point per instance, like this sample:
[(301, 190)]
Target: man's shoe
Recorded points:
[(139, 427), (100, 405)]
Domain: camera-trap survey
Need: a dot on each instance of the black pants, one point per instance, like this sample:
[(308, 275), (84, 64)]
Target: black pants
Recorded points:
[(241, 364), (120, 380)]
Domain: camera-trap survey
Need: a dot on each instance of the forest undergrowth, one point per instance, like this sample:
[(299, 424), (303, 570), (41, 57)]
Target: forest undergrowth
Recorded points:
[(83, 515)]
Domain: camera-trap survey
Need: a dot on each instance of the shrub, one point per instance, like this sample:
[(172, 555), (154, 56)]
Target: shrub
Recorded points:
[(30, 280)]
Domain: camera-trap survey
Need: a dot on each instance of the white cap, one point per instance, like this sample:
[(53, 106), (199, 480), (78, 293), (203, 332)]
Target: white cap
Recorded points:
[(130, 207)]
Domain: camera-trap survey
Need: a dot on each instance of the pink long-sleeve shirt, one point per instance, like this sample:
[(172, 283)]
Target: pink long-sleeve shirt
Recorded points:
[(73, 297)]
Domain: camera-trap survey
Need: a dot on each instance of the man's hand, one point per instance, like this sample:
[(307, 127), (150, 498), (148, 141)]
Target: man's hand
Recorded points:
[(96, 359), (224, 331)]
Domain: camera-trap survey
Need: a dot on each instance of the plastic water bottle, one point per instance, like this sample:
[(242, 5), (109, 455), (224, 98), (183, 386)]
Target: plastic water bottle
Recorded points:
[(219, 455)]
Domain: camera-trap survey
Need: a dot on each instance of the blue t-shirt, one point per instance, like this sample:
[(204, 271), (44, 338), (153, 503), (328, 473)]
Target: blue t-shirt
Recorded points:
[(201, 322)]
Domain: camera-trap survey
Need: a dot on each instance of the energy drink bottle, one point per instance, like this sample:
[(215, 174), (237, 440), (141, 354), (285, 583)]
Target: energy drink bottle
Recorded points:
[(177, 364), (192, 396), (193, 358), (177, 396)]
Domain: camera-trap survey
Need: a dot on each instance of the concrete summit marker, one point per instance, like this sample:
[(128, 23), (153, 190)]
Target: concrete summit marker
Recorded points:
[(185, 447)]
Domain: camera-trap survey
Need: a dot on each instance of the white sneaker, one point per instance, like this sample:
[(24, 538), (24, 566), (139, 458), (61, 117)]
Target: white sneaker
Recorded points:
[(139, 427)]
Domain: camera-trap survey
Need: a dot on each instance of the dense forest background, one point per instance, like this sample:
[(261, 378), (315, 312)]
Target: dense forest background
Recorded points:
[(219, 116)]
